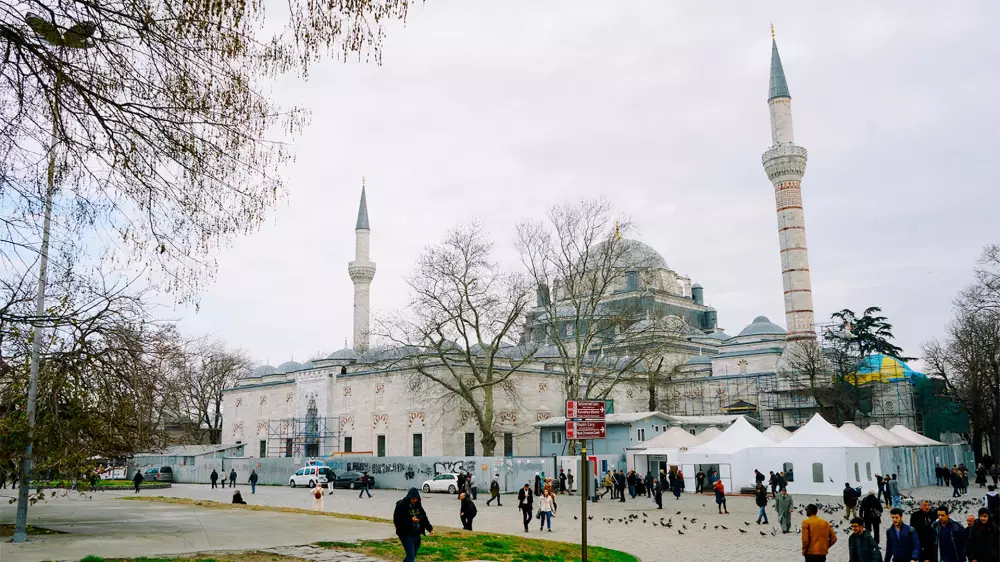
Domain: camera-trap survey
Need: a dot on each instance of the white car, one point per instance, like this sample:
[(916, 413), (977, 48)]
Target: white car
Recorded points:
[(308, 476), (442, 483)]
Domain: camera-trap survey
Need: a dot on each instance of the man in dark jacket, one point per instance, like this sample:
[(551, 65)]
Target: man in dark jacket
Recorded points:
[(232, 478), (137, 480), (949, 537), (901, 541), (850, 502), (657, 494), (861, 546), (411, 523), (699, 482), (773, 482), (620, 484), (466, 511), (760, 493), (366, 484), (648, 481), (214, 478), (253, 481), (984, 539), (870, 512), (922, 522), (525, 502)]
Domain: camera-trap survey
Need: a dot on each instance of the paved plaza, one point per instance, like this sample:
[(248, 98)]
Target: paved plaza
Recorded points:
[(107, 526)]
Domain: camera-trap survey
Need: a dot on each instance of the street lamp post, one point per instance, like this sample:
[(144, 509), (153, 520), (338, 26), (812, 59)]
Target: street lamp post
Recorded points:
[(76, 37)]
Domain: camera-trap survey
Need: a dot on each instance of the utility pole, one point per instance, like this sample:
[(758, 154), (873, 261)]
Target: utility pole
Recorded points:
[(583, 499)]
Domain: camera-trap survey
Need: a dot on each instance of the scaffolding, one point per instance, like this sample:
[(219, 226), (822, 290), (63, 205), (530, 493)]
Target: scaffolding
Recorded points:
[(311, 436)]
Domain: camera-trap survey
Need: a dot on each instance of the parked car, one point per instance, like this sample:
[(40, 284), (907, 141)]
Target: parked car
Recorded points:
[(158, 474), (328, 472), (352, 479), (442, 483), (307, 476)]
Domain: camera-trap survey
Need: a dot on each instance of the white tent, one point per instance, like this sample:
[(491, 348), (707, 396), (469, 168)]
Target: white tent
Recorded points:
[(709, 434), (861, 436), (820, 458), (777, 433), (890, 438), (663, 448), (673, 438), (728, 452), (736, 437), (910, 435)]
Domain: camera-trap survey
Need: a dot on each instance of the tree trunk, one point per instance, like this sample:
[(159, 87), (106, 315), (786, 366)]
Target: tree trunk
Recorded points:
[(489, 440), (977, 443)]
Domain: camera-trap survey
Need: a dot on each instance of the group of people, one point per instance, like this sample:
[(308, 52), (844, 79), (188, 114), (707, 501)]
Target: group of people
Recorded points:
[(214, 478)]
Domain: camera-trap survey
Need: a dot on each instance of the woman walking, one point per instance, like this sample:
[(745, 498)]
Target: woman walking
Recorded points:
[(720, 496), (317, 493), (545, 506)]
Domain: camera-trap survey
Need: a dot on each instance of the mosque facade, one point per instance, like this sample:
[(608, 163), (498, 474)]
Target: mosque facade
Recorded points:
[(360, 400)]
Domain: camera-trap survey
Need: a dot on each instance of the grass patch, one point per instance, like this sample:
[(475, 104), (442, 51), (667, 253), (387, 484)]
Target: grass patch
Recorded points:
[(215, 557), (8, 531), (224, 505), (450, 546)]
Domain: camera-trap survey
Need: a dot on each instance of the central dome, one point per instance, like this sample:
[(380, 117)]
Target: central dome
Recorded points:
[(630, 255)]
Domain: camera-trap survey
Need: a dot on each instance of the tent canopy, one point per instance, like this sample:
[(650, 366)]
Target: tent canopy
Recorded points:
[(862, 436), (673, 438), (818, 433), (889, 437), (736, 437), (709, 434), (777, 433), (910, 435), (882, 368)]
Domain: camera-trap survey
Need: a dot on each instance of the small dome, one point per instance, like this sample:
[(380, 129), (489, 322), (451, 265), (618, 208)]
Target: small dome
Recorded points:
[(761, 326), (263, 371), (719, 335), (699, 360), (307, 365), (697, 286), (346, 353), (289, 366)]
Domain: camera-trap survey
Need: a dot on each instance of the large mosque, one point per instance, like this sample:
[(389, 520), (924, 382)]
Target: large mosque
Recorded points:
[(361, 400)]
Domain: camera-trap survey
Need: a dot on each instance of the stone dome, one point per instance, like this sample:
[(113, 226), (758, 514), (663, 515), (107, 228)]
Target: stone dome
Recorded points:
[(633, 255), (761, 326), (344, 354), (263, 371), (289, 366)]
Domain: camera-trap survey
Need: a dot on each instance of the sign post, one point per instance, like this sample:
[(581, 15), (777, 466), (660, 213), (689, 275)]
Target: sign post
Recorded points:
[(585, 419)]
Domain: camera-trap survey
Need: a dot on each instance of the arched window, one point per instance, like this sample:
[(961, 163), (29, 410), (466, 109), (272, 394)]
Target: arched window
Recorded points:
[(857, 473), (868, 470), (788, 469), (818, 472)]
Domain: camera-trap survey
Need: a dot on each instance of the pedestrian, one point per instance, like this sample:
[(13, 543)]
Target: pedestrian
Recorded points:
[(232, 477), (545, 507), (965, 480), (880, 483), (760, 496), (569, 482), (994, 474), (648, 483), (861, 546), (956, 483), (817, 534), (214, 478), (773, 482), (984, 539), (466, 511), (253, 481), (850, 502), (411, 523), (758, 477), (949, 537), (620, 484), (991, 501), (317, 493), (538, 484), (609, 485), (494, 490), (472, 486), (937, 475), (238, 498), (783, 505), (677, 484), (699, 481), (658, 494), (892, 490), (720, 497), (365, 484), (870, 511), (630, 479), (782, 481), (922, 521), (970, 522), (981, 475), (525, 501), (901, 541), (137, 480)]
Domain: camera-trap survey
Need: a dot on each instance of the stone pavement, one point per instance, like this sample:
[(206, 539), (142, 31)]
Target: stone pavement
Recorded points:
[(174, 528), (318, 554)]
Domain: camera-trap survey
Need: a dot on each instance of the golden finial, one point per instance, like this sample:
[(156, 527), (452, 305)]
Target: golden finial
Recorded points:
[(618, 231), (772, 31)]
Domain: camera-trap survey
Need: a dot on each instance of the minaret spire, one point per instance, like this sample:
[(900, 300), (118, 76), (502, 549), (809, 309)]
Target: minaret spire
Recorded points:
[(362, 271), (785, 164)]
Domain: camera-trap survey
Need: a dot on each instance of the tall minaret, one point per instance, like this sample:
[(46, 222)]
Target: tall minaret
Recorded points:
[(362, 271), (785, 163)]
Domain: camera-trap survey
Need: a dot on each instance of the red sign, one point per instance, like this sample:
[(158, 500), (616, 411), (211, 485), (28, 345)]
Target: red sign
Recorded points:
[(586, 429), (585, 409)]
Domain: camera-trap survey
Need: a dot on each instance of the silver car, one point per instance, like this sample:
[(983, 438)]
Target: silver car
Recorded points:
[(158, 474)]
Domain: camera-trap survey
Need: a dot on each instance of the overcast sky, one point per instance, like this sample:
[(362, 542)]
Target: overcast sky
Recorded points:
[(498, 110)]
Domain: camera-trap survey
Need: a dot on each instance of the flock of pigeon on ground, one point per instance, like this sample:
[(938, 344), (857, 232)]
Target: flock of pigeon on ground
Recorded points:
[(834, 513)]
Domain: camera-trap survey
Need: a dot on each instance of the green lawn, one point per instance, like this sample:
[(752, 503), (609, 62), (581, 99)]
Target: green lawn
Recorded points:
[(460, 545), (234, 557), (80, 483)]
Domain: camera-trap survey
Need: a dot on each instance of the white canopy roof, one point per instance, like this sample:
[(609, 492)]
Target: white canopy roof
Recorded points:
[(861, 436), (890, 438), (777, 433), (737, 437), (673, 438), (910, 435), (818, 433), (709, 434)]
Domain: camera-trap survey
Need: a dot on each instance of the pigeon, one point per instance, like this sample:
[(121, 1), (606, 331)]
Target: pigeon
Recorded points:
[(724, 527), (678, 513), (680, 532), (747, 523), (590, 518), (575, 518), (742, 531), (762, 533), (693, 520), (683, 526), (704, 526)]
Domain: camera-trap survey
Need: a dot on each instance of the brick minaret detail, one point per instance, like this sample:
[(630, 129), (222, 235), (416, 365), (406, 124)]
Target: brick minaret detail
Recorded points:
[(785, 164), (362, 271)]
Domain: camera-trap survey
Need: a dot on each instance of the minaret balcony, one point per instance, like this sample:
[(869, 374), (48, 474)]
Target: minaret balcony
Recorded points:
[(785, 162), (361, 271)]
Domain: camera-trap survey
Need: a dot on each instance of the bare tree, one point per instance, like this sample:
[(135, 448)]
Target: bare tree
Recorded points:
[(203, 371), (459, 330), (985, 292), (579, 258)]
